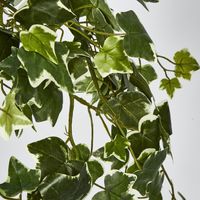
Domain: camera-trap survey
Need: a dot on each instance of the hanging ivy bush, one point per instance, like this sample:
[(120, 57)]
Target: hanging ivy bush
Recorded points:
[(105, 60)]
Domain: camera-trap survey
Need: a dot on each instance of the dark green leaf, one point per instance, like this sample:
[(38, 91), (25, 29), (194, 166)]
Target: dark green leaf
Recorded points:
[(10, 65), (40, 39), (80, 152), (164, 112), (52, 154), (137, 80), (45, 100), (149, 173), (117, 186), (117, 148), (137, 42), (6, 42), (127, 108), (12, 118), (148, 73), (40, 69), (49, 12), (103, 6), (111, 58), (95, 169), (81, 7), (170, 85), (60, 186), (185, 64), (19, 179), (148, 135), (143, 2)]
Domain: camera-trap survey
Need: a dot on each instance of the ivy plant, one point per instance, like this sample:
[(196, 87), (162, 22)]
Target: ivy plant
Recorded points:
[(112, 59)]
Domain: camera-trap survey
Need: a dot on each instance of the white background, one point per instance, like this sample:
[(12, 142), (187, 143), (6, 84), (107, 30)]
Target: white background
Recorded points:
[(172, 25)]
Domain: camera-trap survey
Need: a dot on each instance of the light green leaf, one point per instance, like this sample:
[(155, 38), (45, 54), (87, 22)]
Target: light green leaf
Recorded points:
[(128, 108), (117, 148), (52, 154), (148, 72), (148, 135), (60, 186), (12, 118), (95, 169), (117, 187), (40, 69), (19, 179), (185, 64), (49, 12), (145, 181), (40, 39), (170, 85), (137, 42), (111, 58)]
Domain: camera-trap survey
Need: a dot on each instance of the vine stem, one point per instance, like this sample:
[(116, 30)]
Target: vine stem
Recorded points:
[(92, 130), (93, 75), (95, 31), (2, 89), (170, 183), (5, 4), (70, 120), (105, 126), (81, 33)]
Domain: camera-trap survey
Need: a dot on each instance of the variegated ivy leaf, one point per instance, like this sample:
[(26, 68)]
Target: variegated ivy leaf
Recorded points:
[(11, 118), (112, 58), (185, 64), (137, 42), (40, 39)]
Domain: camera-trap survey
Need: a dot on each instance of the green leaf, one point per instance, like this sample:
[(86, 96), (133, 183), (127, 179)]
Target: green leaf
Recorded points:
[(6, 42), (10, 65), (60, 186), (164, 112), (141, 160), (137, 80), (1, 15), (127, 108), (103, 6), (40, 39), (40, 69), (148, 135), (95, 169), (45, 101), (111, 58), (185, 64), (117, 148), (52, 154), (145, 182), (170, 85), (19, 179), (80, 152), (137, 42), (12, 118), (143, 2), (148, 72), (117, 187), (49, 12)]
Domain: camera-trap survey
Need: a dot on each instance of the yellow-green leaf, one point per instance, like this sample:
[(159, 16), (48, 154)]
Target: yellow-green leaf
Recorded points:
[(12, 118), (40, 39)]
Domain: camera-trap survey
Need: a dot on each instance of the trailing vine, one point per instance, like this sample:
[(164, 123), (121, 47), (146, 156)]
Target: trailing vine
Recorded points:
[(105, 61)]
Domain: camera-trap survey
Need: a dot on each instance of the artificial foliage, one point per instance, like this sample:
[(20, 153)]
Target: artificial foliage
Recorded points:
[(111, 58)]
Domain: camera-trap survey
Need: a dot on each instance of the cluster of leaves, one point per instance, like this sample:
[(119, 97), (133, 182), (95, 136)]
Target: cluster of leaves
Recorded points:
[(104, 60)]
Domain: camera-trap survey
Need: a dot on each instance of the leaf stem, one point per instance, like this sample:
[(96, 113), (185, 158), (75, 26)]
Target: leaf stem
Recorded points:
[(81, 33), (2, 89), (84, 6), (170, 183), (163, 68), (96, 31), (105, 126), (5, 4), (92, 130), (70, 120)]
